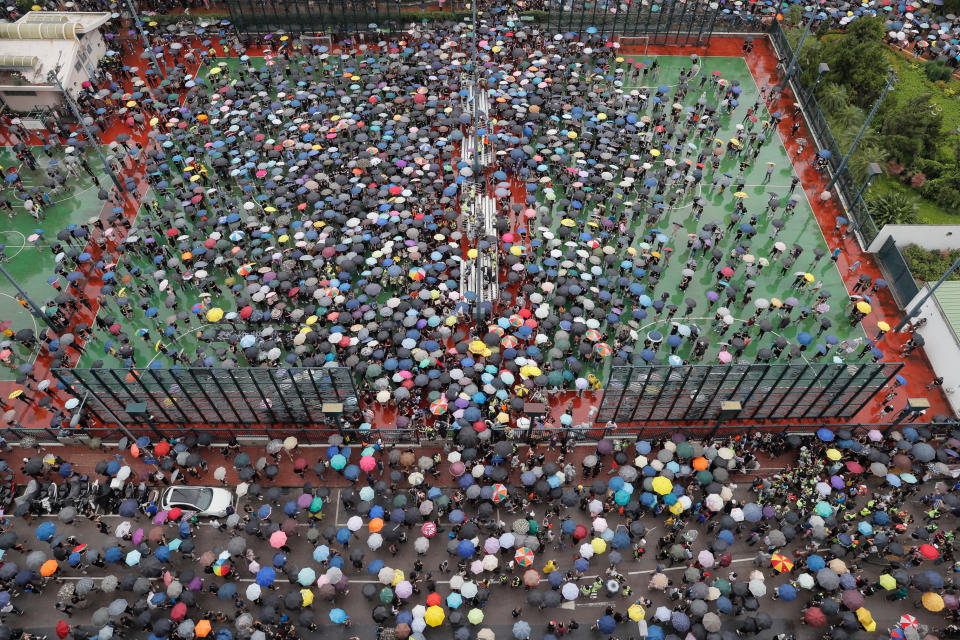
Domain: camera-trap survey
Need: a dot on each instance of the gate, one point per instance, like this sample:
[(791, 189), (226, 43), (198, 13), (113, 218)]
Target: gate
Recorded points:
[(214, 396), (780, 391), (899, 278), (664, 22)]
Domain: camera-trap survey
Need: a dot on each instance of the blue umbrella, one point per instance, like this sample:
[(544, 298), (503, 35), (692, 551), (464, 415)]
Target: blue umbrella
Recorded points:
[(266, 576), (606, 624), (46, 531), (465, 549), (787, 592), (825, 434)]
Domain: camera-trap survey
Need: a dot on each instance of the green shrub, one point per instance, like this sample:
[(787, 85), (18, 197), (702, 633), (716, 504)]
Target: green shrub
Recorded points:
[(937, 71), (929, 266)]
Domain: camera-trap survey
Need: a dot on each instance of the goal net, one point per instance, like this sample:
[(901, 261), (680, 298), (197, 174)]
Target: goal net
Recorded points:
[(634, 44)]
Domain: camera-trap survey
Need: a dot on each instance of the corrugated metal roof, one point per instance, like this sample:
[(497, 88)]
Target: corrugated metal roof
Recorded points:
[(948, 297)]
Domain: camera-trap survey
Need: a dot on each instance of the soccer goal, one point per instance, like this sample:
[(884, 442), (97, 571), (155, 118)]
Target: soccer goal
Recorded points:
[(317, 40), (634, 44)]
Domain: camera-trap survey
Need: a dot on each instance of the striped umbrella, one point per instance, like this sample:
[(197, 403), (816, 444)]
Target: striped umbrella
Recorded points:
[(524, 556)]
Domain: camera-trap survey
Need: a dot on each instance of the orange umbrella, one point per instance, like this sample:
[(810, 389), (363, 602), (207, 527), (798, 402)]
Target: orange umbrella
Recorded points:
[(700, 463), (49, 568), (376, 524), (781, 562), (202, 629)]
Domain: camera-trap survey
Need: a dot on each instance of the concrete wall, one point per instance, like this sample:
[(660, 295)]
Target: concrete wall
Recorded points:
[(25, 103), (941, 348), (936, 237)]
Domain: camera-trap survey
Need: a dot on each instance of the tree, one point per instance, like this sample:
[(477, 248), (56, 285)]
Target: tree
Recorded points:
[(832, 97), (892, 208), (858, 60), (910, 129), (867, 151)]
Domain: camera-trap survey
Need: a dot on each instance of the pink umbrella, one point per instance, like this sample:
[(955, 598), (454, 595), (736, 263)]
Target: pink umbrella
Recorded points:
[(138, 536), (725, 356), (367, 463), (705, 558), (278, 539)]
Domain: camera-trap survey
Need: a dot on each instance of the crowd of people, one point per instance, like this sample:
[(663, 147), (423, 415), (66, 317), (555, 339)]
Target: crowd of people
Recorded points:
[(312, 206)]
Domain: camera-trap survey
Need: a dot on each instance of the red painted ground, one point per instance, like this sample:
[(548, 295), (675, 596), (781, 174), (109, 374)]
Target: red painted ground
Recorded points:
[(762, 63)]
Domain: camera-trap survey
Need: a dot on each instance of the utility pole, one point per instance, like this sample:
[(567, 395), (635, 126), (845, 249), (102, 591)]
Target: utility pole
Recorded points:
[(35, 309), (917, 307), (91, 137), (873, 169), (891, 80), (143, 36)]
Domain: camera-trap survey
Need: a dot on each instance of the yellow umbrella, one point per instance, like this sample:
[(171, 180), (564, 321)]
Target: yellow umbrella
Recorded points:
[(655, 153), (307, 597), (866, 619), (863, 307), (131, 103), (472, 253), (434, 616), (215, 71), (636, 612), (740, 194), (599, 545), (887, 581), (477, 347), (932, 601), (567, 222), (808, 277), (834, 454), (215, 314), (398, 577), (883, 326), (676, 508), (662, 485)]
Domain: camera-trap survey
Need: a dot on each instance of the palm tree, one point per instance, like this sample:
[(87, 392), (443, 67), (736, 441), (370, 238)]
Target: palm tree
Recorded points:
[(848, 119), (832, 97), (868, 151), (892, 207)]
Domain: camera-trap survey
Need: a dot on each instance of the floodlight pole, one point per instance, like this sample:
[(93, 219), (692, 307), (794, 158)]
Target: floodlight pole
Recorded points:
[(143, 36), (55, 79), (793, 60), (35, 309), (891, 80), (917, 307)]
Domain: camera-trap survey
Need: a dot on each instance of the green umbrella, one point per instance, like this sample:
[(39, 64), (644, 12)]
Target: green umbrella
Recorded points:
[(684, 450), (386, 595), (722, 585)]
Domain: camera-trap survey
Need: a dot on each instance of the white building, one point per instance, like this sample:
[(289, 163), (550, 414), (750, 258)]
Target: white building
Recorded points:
[(42, 41)]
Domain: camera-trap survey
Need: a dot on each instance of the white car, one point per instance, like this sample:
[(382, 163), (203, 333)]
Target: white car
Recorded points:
[(205, 501)]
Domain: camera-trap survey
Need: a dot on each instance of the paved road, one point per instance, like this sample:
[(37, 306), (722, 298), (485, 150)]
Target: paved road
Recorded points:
[(40, 615)]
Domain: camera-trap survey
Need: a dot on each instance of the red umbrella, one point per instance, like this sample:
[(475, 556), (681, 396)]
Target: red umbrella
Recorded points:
[(63, 629), (179, 611), (162, 448), (429, 529), (580, 532), (815, 617), (434, 600), (928, 551), (246, 312), (175, 513), (854, 467)]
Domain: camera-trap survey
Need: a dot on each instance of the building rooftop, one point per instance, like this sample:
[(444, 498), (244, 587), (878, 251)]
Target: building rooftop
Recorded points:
[(50, 52), (88, 20), (947, 296)]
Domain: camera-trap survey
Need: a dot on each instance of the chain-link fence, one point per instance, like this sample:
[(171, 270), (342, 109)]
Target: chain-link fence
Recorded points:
[(193, 396), (776, 391), (845, 183)]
